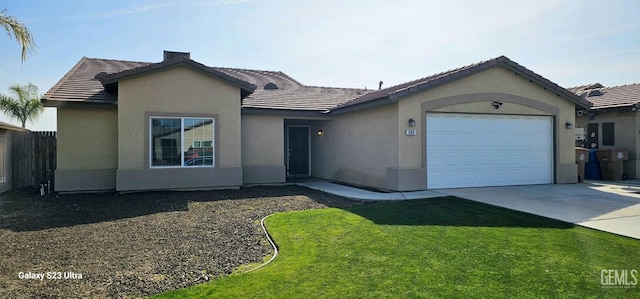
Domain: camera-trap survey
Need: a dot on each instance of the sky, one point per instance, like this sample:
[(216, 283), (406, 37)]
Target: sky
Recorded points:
[(340, 43)]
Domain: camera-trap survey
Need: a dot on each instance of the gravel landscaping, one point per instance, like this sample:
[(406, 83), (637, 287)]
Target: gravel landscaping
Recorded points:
[(138, 244)]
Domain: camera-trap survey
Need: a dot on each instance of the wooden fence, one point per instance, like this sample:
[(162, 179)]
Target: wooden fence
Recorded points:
[(33, 158)]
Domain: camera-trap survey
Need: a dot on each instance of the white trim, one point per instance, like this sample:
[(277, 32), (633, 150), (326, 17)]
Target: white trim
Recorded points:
[(151, 149), (309, 146)]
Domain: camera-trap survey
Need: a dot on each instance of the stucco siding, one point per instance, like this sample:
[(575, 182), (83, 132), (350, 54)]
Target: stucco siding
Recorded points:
[(87, 138), (356, 147), (177, 92), (262, 140), (263, 149), (475, 94), (69, 180), (87, 148)]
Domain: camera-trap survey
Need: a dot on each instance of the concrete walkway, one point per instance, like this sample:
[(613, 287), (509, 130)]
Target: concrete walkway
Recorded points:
[(608, 206), (360, 194)]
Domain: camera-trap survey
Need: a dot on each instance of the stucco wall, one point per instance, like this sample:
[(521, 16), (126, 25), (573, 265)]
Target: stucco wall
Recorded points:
[(263, 149), (626, 128), (475, 94), (184, 92), (87, 148), (356, 147)]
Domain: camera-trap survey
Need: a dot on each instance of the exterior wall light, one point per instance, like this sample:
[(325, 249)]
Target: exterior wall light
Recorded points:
[(320, 132), (568, 125), (412, 122), (496, 104)]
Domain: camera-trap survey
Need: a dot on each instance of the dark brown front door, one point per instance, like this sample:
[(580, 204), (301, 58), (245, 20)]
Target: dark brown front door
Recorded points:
[(298, 151)]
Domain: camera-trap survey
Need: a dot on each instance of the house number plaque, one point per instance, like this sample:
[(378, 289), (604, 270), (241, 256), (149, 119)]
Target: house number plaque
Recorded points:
[(410, 132)]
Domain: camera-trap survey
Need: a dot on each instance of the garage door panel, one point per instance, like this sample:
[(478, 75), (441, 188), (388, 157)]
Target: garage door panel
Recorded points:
[(474, 150)]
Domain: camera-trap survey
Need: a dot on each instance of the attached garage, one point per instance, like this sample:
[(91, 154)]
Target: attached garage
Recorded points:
[(491, 123), (478, 150)]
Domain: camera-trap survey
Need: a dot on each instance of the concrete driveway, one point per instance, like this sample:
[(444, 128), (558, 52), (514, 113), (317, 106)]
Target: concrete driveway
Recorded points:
[(608, 206)]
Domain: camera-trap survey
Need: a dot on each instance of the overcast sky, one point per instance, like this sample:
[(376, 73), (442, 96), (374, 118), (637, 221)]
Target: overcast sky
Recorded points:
[(339, 43)]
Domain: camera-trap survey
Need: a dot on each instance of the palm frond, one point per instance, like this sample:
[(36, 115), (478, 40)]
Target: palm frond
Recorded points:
[(19, 32)]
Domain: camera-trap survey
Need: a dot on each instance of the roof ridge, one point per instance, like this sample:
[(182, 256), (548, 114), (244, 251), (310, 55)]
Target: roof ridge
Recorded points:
[(178, 60), (416, 81), (290, 78), (118, 60), (243, 69), (58, 84), (436, 75), (333, 87), (257, 70), (542, 80), (584, 85), (395, 92), (617, 86)]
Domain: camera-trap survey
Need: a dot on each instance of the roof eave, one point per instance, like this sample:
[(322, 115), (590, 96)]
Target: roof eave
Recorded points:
[(629, 105), (318, 114), (11, 127), (533, 77), (63, 103), (463, 73), (364, 105)]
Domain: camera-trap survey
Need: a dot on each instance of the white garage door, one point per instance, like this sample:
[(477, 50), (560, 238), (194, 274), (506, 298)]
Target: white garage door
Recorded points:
[(477, 150)]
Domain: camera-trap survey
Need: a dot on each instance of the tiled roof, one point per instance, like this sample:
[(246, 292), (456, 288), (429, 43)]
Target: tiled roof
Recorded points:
[(80, 84), (288, 94), (609, 97), (271, 90), (396, 92), (109, 78)]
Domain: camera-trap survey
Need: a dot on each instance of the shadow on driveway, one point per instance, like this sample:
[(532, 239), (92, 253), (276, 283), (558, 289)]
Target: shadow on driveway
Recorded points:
[(608, 206)]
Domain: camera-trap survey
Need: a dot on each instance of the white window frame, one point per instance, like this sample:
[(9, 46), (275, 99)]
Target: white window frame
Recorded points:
[(181, 145)]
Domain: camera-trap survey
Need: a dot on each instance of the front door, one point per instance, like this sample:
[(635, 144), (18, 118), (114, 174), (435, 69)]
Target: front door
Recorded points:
[(298, 151)]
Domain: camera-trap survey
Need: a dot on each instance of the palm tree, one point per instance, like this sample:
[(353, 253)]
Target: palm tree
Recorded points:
[(26, 106), (19, 32)]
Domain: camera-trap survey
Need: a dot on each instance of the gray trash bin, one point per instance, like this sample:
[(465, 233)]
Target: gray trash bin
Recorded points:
[(582, 158)]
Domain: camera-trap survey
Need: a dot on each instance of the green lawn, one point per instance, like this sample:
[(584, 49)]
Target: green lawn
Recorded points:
[(432, 248)]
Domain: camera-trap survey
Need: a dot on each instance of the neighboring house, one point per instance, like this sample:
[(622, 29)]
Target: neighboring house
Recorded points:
[(5, 154), (139, 126), (613, 120)]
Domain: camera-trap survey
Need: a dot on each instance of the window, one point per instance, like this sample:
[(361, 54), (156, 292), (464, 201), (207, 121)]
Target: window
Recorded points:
[(181, 142), (608, 134)]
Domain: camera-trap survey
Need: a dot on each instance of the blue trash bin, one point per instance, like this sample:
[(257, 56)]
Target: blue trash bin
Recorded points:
[(592, 168)]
